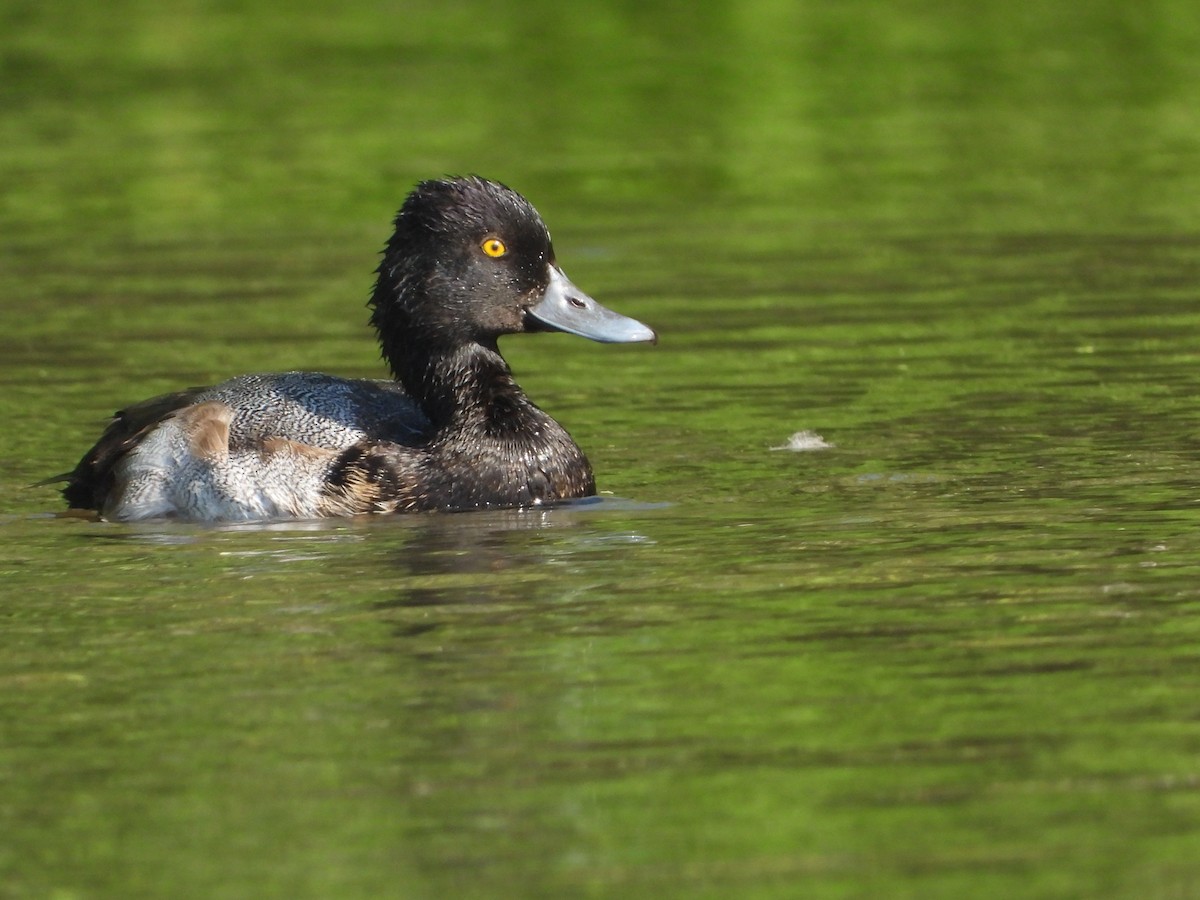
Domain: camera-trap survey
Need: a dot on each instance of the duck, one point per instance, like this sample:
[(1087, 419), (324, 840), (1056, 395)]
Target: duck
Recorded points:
[(469, 261)]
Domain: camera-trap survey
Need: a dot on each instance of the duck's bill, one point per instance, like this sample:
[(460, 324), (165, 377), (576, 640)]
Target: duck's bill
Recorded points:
[(564, 307)]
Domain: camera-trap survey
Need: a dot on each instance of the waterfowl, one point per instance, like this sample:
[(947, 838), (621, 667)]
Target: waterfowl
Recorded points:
[(470, 260)]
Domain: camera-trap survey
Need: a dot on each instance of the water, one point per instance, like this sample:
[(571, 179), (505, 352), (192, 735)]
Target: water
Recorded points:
[(954, 654)]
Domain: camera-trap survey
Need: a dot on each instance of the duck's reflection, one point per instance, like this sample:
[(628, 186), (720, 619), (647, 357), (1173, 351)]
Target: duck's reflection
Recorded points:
[(497, 557), (504, 557)]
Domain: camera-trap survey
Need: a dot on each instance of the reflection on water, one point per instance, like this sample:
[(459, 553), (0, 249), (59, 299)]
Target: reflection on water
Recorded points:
[(413, 550)]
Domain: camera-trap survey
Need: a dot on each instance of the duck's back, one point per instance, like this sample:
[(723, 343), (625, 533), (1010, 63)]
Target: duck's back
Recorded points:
[(315, 409), (306, 408)]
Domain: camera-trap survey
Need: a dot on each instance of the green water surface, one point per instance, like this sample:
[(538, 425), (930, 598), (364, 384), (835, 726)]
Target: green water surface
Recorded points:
[(955, 654)]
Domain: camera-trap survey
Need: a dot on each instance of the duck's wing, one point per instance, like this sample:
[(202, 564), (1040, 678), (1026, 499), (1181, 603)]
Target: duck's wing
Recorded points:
[(319, 410), (91, 480), (323, 412)]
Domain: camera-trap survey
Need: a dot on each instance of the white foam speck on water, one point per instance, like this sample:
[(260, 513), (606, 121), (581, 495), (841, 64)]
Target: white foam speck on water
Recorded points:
[(805, 441)]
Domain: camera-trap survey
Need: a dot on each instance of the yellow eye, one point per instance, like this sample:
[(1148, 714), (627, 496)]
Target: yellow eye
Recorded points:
[(494, 247)]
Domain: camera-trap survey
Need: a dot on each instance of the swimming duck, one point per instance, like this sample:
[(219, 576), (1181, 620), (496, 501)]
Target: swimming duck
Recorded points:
[(470, 260)]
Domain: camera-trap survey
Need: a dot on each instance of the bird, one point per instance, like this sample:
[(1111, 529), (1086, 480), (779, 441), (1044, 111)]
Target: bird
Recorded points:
[(469, 261)]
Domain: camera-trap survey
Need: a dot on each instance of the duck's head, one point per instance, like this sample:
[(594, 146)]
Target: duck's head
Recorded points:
[(471, 260)]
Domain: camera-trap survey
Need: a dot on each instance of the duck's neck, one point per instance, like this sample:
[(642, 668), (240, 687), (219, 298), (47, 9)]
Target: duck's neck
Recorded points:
[(467, 388), (458, 384)]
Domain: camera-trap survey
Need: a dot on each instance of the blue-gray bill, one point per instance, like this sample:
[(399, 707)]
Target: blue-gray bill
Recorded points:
[(564, 307)]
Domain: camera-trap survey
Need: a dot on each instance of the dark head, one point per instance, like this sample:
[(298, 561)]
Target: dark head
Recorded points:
[(471, 260)]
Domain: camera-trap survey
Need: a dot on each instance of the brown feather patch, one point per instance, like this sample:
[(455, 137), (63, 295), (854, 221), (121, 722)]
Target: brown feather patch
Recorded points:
[(207, 428), (275, 445)]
